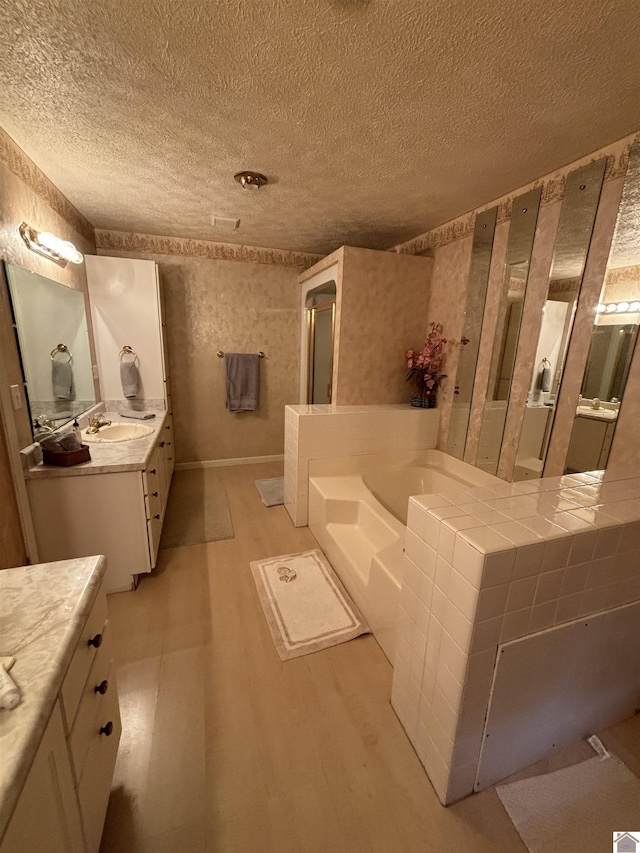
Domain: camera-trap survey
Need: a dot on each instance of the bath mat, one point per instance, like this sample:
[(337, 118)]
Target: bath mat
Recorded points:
[(306, 607), (271, 491), (197, 511), (576, 808)]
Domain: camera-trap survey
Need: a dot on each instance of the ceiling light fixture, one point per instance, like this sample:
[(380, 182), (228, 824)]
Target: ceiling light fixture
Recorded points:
[(251, 180), (49, 246), (618, 308)]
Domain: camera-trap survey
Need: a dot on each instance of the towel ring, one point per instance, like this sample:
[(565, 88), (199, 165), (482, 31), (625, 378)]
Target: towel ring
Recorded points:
[(220, 354), (62, 348), (126, 350)]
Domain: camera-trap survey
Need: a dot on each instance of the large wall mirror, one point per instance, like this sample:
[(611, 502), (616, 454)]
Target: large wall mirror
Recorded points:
[(582, 194), (614, 335), (51, 326), (505, 344), (483, 234), (320, 306)]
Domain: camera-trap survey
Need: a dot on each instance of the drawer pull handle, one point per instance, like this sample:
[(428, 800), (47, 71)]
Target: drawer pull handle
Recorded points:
[(157, 516), (107, 730), (155, 494), (167, 427), (171, 459), (161, 444), (96, 641), (168, 444), (102, 687), (152, 471)]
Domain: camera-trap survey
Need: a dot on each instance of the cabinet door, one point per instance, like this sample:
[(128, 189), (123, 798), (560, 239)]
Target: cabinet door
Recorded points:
[(46, 818), (125, 309)]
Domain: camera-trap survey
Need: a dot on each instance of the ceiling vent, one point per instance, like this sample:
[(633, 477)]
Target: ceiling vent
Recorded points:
[(223, 222)]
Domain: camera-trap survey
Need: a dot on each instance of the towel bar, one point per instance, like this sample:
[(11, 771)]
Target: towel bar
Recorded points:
[(62, 348), (220, 354)]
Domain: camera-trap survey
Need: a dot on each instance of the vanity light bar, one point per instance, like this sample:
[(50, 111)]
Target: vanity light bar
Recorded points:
[(618, 308), (54, 248)]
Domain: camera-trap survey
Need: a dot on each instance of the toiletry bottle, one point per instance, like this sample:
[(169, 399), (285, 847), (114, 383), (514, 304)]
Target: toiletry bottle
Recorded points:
[(9, 691), (76, 430)]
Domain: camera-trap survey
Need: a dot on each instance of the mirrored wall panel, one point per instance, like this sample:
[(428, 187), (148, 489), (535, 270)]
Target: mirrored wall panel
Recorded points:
[(472, 329), (582, 194), (505, 343), (614, 336), (53, 338)]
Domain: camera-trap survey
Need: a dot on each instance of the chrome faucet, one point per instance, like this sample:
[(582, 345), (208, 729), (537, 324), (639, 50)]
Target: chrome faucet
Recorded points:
[(95, 424)]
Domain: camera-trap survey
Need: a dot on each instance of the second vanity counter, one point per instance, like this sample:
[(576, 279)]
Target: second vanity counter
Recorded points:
[(51, 616)]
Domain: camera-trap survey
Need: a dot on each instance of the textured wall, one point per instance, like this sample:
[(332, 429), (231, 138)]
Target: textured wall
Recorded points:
[(27, 195), (381, 312), (235, 307)]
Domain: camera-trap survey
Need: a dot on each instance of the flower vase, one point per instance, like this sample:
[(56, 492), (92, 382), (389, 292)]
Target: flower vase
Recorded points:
[(418, 401)]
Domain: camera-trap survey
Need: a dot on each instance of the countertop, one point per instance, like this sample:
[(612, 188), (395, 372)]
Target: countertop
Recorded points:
[(109, 458), (43, 610)]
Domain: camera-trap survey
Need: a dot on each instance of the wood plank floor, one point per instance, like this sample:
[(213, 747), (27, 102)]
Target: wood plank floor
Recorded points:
[(227, 749)]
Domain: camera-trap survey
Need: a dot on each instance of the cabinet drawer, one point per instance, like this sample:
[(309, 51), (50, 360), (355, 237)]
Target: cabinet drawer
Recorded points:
[(91, 702), (151, 477), (95, 784), (83, 657)]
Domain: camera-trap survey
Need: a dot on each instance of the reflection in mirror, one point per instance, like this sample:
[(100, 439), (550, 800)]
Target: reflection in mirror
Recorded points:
[(321, 319), (51, 326), (581, 197), (614, 335), (472, 328), (505, 343)]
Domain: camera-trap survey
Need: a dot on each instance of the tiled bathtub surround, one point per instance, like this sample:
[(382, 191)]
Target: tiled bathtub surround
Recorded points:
[(322, 432), (486, 566)]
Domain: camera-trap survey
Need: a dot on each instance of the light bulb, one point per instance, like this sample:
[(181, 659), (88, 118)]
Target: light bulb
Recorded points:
[(622, 307), (611, 308), (635, 306), (601, 308), (63, 248)]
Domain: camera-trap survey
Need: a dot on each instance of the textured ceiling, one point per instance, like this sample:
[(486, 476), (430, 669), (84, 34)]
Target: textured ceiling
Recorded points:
[(374, 120)]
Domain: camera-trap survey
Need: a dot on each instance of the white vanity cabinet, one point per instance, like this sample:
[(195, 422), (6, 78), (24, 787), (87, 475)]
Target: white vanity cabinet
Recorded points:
[(62, 806), (125, 295), (117, 514)]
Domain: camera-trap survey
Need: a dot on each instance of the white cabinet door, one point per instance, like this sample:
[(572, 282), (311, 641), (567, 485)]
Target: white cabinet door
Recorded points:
[(125, 310), (46, 818)]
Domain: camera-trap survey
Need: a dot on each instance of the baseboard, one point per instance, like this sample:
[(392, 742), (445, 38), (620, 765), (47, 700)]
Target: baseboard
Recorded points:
[(223, 463)]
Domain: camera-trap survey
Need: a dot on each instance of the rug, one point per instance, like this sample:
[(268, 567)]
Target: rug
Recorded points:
[(306, 607), (271, 491), (576, 808), (197, 511)]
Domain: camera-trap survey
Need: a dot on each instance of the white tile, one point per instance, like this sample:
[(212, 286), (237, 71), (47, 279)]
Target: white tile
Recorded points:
[(499, 568), (583, 546), (556, 553), (446, 539), (430, 529), (608, 541), (468, 560), (443, 574), (516, 533), (438, 606), (486, 540), (458, 626), (423, 615), (460, 522), (549, 586), (601, 572), (542, 616), (449, 511), (486, 635), (428, 561), (454, 657), (630, 540), (463, 594), (569, 608), (515, 624), (492, 602), (413, 546), (528, 560), (575, 579), (450, 686), (430, 501)]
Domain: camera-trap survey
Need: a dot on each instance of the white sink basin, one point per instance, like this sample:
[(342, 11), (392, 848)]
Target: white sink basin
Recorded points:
[(117, 432)]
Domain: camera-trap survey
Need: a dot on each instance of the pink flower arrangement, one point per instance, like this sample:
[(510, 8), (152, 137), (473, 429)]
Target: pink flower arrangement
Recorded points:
[(426, 366)]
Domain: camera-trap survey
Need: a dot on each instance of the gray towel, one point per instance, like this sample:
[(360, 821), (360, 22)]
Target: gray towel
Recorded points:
[(140, 416), (242, 380), (130, 378), (545, 379), (62, 380)]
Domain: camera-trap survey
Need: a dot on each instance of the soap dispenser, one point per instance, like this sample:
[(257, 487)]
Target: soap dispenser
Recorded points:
[(77, 431)]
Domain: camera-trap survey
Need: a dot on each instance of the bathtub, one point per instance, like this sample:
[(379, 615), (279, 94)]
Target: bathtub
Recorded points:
[(358, 513)]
